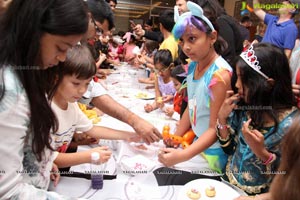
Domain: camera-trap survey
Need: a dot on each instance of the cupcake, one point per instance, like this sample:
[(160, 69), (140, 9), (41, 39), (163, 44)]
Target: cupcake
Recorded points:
[(193, 194), (210, 191)]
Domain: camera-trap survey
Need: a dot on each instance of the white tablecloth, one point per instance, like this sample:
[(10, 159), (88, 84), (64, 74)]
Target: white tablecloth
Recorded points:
[(123, 87)]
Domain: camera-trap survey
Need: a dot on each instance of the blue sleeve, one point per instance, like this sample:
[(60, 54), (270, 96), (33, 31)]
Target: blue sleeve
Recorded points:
[(290, 38), (268, 18), (191, 67)]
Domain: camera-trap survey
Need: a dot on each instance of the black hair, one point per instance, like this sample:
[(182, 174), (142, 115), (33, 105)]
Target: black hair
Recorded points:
[(20, 36), (181, 59), (245, 18), (151, 45), (178, 73), (164, 57), (149, 22), (210, 7), (115, 1), (121, 33), (166, 18), (101, 11), (272, 98)]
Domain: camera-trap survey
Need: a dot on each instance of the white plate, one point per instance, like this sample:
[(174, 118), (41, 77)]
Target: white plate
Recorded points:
[(223, 191), (144, 95)]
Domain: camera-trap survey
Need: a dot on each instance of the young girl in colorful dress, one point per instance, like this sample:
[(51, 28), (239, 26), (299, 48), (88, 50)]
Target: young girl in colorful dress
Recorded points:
[(178, 76), (207, 81), (252, 122), (164, 86), (129, 45)]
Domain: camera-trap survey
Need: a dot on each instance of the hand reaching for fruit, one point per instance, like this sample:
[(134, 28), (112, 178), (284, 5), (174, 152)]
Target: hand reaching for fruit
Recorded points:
[(174, 140)]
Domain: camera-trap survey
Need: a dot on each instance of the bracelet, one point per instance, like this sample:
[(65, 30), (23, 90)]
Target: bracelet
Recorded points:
[(226, 144), (221, 126), (269, 160), (220, 138)]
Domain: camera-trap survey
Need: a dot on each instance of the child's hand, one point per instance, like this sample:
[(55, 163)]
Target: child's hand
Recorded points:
[(148, 108), (254, 139), (169, 111), (159, 102), (141, 59), (54, 176), (84, 139), (170, 157), (228, 105), (169, 143), (104, 152), (167, 98)]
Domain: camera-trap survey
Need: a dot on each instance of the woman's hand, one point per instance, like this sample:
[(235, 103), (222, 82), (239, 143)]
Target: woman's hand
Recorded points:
[(54, 176), (228, 105)]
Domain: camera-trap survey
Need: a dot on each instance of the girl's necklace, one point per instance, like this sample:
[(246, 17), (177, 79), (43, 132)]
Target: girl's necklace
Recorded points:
[(199, 71)]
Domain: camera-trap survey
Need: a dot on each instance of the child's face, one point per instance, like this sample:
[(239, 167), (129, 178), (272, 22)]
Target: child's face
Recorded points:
[(71, 88), (242, 90), (177, 84), (196, 44), (162, 70), (53, 48)]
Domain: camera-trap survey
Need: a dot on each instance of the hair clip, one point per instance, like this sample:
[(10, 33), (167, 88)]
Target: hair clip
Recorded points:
[(184, 74), (194, 10), (250, 58)]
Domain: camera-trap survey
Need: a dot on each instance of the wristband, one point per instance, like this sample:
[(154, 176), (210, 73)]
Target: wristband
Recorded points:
[(222, 126), (220, 138), (269, 160)]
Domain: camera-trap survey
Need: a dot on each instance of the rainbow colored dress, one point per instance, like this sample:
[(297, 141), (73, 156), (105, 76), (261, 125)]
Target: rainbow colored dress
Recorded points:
[(199, 97)]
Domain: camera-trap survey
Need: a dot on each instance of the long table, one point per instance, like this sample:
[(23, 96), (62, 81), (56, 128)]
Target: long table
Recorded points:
[(123, 182)]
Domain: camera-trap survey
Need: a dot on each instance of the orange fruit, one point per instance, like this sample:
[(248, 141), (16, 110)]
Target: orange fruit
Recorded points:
[(189, 136), (166, 127), (165, 133)]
